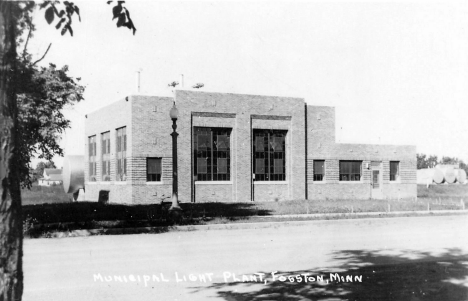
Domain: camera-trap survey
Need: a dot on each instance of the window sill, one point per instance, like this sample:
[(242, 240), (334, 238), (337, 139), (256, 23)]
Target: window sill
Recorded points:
[(120, 182), (351, 182), (270, 182), (154, 183), (319, 182), (213, 182), (394, 182)]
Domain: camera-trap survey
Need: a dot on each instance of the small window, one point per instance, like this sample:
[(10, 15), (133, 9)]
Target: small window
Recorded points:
[(121, 148), (105, 153), (92, 157), (153, 169), (394, 170), (350, 170), (319, 170)]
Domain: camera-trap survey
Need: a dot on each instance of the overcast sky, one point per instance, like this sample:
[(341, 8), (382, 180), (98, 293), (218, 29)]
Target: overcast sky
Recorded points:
[(397, 72)]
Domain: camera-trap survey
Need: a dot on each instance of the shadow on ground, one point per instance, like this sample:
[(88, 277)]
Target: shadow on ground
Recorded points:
[(402, 275), (41, 218)]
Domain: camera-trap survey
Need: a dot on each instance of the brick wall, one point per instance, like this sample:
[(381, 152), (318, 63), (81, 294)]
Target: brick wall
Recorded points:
[(321, 145), (108, 119), (308, 139), (242, 113)]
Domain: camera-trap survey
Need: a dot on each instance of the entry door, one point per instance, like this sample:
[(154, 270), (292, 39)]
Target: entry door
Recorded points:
[(376, 180)]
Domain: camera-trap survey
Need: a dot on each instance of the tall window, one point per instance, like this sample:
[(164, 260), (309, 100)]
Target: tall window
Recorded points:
[(212, 154), (350, 170), (269, 155), (319, 170), (153, 169), (105, 146), (121, 145), (92, 157), (394, 170)]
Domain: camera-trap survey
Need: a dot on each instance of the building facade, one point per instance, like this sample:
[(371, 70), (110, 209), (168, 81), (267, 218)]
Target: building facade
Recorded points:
[(235, 148)]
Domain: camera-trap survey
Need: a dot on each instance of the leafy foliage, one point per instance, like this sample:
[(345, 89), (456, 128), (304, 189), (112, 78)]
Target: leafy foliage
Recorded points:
[(198, 85), (41, 97), (64, 14), (173, 84), (122, 15)]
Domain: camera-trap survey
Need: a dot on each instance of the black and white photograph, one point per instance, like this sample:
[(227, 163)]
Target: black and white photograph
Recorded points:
[(234, 150)]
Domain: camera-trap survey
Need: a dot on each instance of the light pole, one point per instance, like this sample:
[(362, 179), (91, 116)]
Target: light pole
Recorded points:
[(174, 113)]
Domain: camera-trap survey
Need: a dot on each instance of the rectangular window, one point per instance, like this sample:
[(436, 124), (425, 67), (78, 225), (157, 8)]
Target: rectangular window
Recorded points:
[(105, 156), (394, 170), (153, 169), (212, 154), (92, 157), (319, 170), (350, 170), (121, 150), (269, 154)]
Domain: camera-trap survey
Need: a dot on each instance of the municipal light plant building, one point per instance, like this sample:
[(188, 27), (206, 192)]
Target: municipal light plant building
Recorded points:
[(235, 148)]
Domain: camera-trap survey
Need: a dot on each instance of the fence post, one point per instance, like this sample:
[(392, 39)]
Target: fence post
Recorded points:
[(428, 207), (462, 204), (389, 207)]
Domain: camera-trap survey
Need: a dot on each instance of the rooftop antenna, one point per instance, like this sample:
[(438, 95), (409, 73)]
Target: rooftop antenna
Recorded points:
[(138, 79)]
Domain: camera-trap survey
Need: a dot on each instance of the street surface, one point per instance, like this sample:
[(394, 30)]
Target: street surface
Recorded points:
[(419, 258)]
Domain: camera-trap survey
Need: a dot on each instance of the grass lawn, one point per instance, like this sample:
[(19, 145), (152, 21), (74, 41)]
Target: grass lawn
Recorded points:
[(60, 214), (44, 194)]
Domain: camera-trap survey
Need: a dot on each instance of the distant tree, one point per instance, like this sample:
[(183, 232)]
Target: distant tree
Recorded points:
[(43, 165), (432, 161), (421, 161), (464, 166), (449, 160)]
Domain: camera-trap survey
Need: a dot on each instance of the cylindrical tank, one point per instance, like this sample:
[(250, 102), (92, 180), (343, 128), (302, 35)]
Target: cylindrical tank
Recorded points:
[(438, 176), (449, 174), (461, 176), (73, 173)]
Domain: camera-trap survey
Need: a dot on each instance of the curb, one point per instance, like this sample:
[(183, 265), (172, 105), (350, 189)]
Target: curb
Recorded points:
[(310, 218)]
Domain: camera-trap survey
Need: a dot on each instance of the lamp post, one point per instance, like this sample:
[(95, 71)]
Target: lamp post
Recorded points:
[(174, 114)]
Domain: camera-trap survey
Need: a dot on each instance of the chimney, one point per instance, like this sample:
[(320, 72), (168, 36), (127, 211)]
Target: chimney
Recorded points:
[(181, 80)]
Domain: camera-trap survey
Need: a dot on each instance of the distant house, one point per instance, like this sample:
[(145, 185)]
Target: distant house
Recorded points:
[(51, 177)]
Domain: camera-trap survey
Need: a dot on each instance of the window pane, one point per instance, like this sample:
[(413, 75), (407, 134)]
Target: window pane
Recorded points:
[(222, 142), (154, 166), (201, 165), (278, 166), (259, 144), (277, 144), (259, 166), (319, 167), (222, 166), (203, 141)]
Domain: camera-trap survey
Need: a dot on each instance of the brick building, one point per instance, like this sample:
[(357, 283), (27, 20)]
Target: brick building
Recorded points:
[(235, 148)]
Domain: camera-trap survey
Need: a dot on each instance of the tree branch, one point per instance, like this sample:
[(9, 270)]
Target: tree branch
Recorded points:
[(42, 56), (27, 40)]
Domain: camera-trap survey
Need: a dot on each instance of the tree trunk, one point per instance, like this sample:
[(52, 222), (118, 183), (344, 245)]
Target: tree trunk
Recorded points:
[(11, 234)]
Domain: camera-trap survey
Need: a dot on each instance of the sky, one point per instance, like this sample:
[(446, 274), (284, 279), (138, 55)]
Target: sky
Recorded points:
[(397, 72)]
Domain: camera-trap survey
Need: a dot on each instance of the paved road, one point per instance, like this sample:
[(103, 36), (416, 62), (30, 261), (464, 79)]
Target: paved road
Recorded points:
[(422, 258)]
